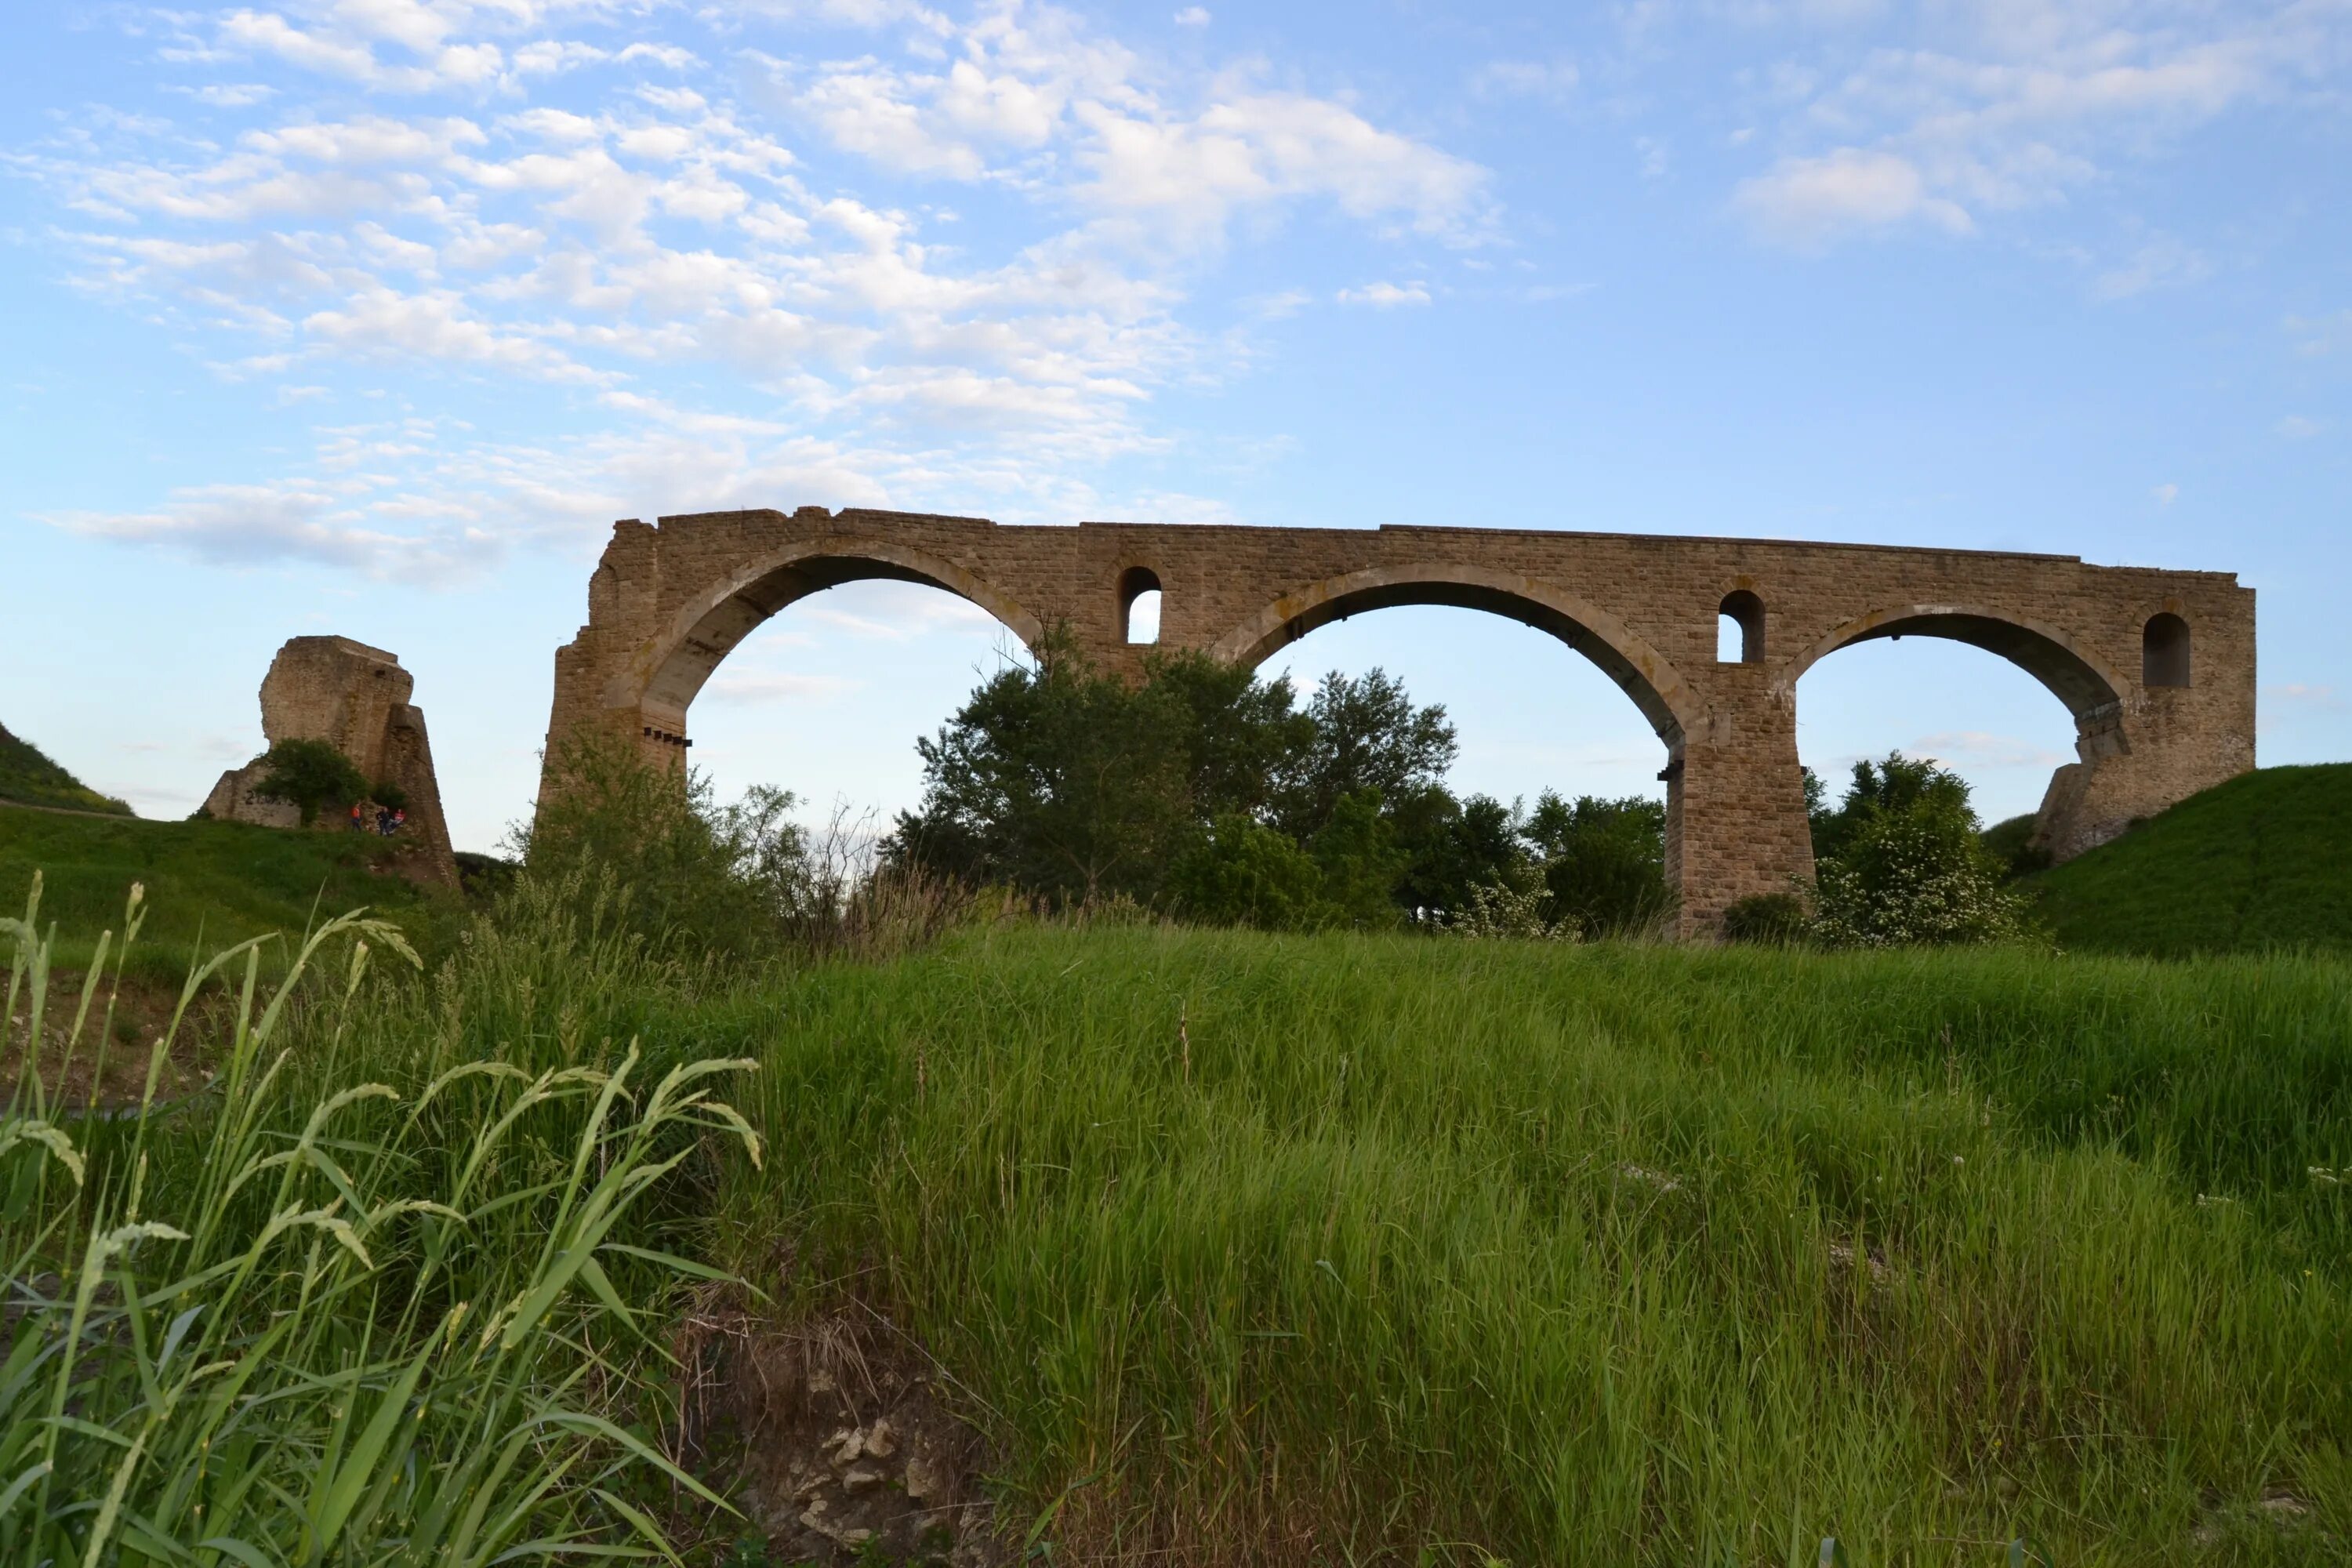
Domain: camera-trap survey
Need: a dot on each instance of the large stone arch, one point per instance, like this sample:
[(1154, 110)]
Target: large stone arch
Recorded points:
[(1638, 669), (671, 669), (2070, 672)]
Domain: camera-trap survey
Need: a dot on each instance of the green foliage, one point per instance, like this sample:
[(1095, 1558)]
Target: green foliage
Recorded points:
[(1773, 919), (1602, 862), (311, 775), (29, 777), (1061, 780), (1592, 1254), (209, 884), (1241, 872), (680, 870), (388, 796), (1904, 865), (324, 1316), (1362, 861), (1076, 784), (2260, 862), (1362, 734), (1457, 848)]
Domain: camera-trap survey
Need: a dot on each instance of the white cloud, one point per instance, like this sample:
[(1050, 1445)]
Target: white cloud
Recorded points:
[(2322, 334), (2163, 262), (2299, 428), (1193, 17), (1555, 79), (2166, 494), (1385, 296), (1981, 748), (2016, 103), (1809, 202), (733, 684), (595, 241)]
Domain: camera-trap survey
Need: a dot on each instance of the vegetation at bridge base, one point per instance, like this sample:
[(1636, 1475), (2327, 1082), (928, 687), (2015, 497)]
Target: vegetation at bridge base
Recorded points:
[(1205, 791), (210, 885), (29, 777), (2262, 862), (365, 1297), (1271, 1248)]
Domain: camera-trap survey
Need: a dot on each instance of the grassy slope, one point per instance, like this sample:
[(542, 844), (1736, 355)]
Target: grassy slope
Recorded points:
[(229, 879), (1281, 1250), (2263, 861), (27, 775)]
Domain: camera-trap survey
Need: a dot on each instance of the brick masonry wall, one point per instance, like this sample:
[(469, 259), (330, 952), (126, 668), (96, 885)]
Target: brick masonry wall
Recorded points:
[(668, 601)]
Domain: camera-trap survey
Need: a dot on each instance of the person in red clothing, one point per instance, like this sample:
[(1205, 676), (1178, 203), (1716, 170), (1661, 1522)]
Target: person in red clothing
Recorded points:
[(358, 821), (399, 818)]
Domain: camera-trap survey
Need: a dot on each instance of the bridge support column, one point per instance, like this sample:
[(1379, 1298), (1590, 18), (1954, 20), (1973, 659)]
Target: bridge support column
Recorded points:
[(1736, 823)]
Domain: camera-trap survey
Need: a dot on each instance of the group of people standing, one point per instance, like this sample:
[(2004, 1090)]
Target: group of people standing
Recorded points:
[(389, 820)]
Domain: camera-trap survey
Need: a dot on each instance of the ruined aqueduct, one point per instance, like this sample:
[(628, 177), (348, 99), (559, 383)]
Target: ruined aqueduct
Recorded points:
[(2157, 667)]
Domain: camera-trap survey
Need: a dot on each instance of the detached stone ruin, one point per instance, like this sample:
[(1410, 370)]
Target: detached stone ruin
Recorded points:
[(354, 697)]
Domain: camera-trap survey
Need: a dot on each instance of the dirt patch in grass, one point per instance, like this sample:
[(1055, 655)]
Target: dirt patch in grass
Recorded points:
[(106, 1064), (838, 1439)]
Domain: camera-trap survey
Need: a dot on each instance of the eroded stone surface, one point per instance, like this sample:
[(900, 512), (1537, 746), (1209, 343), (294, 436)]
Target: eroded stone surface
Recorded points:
[(356, 698), (668, 603)]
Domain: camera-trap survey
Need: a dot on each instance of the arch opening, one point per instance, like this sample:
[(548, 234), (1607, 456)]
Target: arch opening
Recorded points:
[(1739, 628), (1631, 664), (2164, 651), (828, 696), (1139, 599), (711, 626), (1983, 721)]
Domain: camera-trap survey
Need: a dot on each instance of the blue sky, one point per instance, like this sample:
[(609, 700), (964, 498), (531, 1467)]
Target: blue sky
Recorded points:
[(369, 316)]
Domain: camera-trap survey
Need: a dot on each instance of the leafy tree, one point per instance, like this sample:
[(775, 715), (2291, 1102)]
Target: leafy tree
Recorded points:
[(1366, 735), (309, 775), (1603, 861), (1897, 784), (1062, 780), (1455, 847), (1907, 865), (1241, 872), (1363, 863)]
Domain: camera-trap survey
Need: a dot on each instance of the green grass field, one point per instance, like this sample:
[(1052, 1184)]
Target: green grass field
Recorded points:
[(1246, 1249), (2262, 862), (209, 884), (1353, 1249)]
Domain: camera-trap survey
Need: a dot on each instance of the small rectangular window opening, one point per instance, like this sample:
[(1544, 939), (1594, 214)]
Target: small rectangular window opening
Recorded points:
[(1739, 629), (1139, 605)]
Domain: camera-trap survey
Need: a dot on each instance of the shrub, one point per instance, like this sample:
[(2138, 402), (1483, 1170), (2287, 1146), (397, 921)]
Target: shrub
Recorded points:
[(1910, 867), (1498, 909), (1603, 861), (1777, 920), (676, 867), (309, 775), (1243, 872)]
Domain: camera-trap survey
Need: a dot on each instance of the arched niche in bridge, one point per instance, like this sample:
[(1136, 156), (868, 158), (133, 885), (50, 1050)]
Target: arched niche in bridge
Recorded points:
[(715, 621), (1625, 658)]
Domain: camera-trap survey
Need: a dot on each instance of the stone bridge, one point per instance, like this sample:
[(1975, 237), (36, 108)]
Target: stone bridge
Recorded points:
[(2157, 667)]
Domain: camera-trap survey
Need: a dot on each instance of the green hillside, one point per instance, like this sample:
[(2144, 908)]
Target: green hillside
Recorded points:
[(2263, 861), (229, 878), (27, 775)]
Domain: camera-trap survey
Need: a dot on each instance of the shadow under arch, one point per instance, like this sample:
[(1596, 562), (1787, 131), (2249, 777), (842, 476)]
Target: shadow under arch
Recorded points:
[(1637, 667), (672, 669), (2091, 692)]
